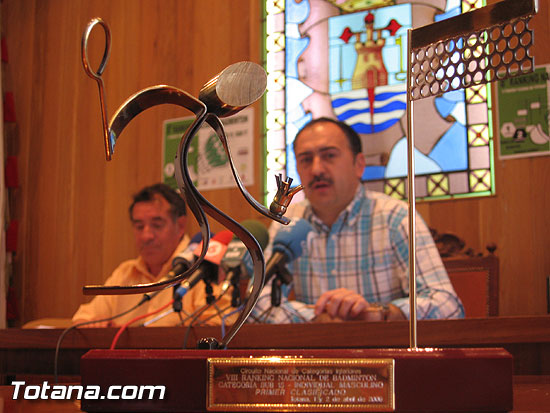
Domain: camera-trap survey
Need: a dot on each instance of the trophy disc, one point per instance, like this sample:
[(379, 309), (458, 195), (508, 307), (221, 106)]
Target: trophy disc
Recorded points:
[(236, 87)]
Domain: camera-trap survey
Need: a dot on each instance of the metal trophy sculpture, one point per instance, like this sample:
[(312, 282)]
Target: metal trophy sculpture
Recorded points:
[(488, 44), (236, 87)]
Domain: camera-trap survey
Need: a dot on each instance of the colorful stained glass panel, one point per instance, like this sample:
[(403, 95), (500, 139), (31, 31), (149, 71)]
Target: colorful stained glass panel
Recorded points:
[(346, 59)]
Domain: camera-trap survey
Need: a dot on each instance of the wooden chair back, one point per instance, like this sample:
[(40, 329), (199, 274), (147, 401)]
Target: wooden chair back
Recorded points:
[(475, 280)]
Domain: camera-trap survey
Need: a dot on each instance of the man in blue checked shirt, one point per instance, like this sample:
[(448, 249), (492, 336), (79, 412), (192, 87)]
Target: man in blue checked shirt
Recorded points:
[(354, 265)]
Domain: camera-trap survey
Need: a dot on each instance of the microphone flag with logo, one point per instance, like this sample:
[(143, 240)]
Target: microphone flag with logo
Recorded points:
[(208, 269)]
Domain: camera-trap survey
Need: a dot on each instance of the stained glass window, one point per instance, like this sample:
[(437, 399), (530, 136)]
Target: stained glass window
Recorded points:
[(346, 59)]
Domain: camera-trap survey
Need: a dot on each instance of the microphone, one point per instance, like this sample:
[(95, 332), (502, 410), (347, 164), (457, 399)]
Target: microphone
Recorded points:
[(236, 250), (287, 246), (185, 259), (237, 259), (209, 266)]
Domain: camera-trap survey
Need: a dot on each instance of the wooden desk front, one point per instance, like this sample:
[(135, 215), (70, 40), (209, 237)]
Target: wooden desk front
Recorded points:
[(31, 352)]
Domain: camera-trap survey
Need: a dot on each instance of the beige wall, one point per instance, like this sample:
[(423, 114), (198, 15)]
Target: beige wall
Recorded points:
[(72, 204)]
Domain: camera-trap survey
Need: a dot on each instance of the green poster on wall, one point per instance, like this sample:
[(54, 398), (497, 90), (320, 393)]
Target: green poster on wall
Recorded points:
[(523, 119), (207, 162), (173, 131)]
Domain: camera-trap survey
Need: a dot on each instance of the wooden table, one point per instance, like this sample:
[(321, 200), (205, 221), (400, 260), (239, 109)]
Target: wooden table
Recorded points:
[(531, 394), (25, 353)]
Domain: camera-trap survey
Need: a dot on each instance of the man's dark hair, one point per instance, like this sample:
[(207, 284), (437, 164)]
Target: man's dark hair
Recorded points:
[(177, 204), (353, 138)]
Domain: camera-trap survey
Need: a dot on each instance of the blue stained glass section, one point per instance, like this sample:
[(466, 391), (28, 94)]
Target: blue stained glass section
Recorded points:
[(296, 12), (303, 120), (294, 48), (350, 58), (360, 127), (454, 96), (450, 13), (451, 152), (459, 113), (350, 102), (342, 61), (291, 170), (373, 172), (451, 4), (296, 92), (354, 108), (444, 106), (343, 56), (397, 165), (356, 21), (336, 103), (296, 120)]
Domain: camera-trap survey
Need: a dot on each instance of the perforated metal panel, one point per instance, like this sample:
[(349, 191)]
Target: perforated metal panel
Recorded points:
[(492, 43)]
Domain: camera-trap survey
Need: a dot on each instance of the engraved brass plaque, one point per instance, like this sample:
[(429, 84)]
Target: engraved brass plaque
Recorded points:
[(300, 384)]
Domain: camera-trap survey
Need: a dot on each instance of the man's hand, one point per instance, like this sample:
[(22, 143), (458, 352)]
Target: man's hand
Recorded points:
[(341, 303), (346, 305)]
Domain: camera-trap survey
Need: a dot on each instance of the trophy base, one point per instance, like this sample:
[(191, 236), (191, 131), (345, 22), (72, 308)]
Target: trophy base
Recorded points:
[(331, 380)]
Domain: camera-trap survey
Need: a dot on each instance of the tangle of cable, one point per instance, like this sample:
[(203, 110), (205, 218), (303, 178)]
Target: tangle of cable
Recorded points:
[(197, 314), (125, 326), (236, 310), (66, 331)]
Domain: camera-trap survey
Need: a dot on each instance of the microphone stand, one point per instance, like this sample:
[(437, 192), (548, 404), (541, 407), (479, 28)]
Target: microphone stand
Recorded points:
[(282, 277), (209, 290), (236, 292), (177, 305)]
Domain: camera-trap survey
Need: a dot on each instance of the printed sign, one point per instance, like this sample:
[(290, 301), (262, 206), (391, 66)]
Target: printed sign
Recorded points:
[(207, 162), (523, 115)]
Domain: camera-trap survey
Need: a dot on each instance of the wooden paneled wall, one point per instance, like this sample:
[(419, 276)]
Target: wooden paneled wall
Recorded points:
[(72, 204)]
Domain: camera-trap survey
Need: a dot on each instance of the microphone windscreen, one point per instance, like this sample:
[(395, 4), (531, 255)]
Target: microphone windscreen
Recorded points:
[(224, 236), (289, 239), (216, 247), (187, 256), (258, 231)]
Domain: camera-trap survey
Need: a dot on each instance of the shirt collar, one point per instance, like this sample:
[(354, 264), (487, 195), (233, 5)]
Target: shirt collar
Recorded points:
[(349, 215)]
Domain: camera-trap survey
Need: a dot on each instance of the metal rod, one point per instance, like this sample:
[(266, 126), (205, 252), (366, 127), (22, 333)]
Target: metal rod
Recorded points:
[(411, 197)]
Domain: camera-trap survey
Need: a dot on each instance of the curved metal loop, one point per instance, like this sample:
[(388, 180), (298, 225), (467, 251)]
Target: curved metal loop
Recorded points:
[(217, 125), (147, 98), (106, 53), (97, 77)]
